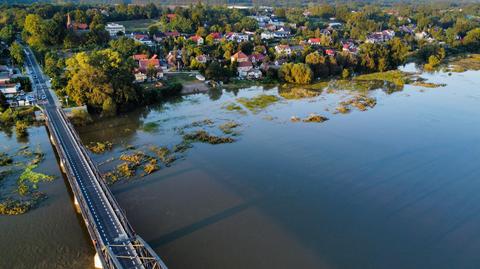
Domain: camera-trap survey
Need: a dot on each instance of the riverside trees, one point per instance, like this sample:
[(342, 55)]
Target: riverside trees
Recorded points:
[(102, 79)]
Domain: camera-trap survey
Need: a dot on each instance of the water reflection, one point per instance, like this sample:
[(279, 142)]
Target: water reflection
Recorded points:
[(392, 187)]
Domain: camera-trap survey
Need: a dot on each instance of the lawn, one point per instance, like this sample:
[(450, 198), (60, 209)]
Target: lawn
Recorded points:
[(137, 25)]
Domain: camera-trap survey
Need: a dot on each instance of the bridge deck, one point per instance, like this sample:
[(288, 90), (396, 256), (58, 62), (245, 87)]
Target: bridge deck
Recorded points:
[(117, 244)]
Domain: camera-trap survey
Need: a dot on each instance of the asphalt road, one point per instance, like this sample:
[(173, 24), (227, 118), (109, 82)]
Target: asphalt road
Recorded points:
[(107, 222)]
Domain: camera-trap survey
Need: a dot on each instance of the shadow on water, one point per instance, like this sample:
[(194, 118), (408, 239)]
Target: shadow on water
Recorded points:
[(129, 187), (184, 231)]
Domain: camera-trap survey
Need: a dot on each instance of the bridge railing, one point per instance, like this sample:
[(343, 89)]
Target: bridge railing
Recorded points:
[(146, 255), (107, 262), (120, 213)]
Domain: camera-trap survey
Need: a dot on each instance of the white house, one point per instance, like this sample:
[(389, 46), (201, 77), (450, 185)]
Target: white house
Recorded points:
[(283, 49), (243, 68), (114, 28), (267, 35)]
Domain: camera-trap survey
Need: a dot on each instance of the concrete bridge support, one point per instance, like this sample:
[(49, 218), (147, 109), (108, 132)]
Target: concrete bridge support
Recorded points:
[(97, 262)]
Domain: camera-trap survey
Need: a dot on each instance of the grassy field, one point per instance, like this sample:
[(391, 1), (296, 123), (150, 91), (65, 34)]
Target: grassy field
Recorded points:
[(137, 25)]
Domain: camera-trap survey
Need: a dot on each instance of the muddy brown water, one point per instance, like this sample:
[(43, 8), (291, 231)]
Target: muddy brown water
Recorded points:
[(396, 186)]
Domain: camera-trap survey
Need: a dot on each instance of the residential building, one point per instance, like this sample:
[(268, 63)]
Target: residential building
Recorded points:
[(76, 26), (239, 57), (283, 49), (314, 41), (197, 39), (114, 29), (267, 35), (243, 68)]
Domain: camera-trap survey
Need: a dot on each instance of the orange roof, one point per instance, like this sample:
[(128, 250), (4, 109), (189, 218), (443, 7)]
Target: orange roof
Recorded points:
[(240, 55), (140, 57)]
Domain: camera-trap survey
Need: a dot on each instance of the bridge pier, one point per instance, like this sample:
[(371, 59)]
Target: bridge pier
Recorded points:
[(77, 205), (97, 262), (52, 140)]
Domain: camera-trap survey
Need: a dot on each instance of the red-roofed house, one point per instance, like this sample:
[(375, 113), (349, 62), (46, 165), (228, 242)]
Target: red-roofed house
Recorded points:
[(172, 34), (138, 57), (171, 16), (145, 66), (330, 52), (197, 39), (239, 57), (243, 68), (314, 41), (256, 57), (76, 26)]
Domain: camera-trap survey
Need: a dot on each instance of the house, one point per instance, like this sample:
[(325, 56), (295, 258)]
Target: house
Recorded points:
[(283, 49), (254, 74), (239, 57), (330, 52), (114, 29), (142, 38), (243, 68), (407, 30), (314, 41), (76, 26), (158, 37), (379, 37), (256, 57), (138, 57), (334, 25), (281, 34), (10, 89), (201, 59), (421, 35), (197, 39), (145, 66), (349, 47), (216, 36), (238, 37), (276, 22), (267, 35), (172, 34)]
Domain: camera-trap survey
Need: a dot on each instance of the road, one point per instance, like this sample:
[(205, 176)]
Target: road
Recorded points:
[(103, 213)]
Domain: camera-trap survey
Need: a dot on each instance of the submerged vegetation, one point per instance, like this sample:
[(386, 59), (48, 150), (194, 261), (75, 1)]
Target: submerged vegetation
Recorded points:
[(471, 62), (396, 77), (361, 102), (315, 118), (205, 137), (258, 103), (100, 147), (24, 195)]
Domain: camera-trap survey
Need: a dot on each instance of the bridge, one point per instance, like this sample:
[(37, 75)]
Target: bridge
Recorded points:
[(116, 243)]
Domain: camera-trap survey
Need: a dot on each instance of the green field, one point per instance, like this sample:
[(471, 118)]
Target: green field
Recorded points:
[(137, 25)]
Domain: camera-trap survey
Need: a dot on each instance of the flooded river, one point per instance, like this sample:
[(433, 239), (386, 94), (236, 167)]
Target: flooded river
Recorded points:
[(395, 186)]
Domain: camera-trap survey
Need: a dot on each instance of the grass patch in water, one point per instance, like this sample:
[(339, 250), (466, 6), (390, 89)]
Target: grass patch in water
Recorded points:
[(150, 127), (234, 107), (258, 103), (99, 147), (396, 77), (298, 93), (459, 65), (204, 137), (361, 102), (315, 118), (17, 207), (164, 154), (428, 84), (229, 127)]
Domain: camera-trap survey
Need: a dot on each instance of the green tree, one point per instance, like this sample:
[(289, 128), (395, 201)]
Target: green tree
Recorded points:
[(7, 34), (296, 73), (17, 54)]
